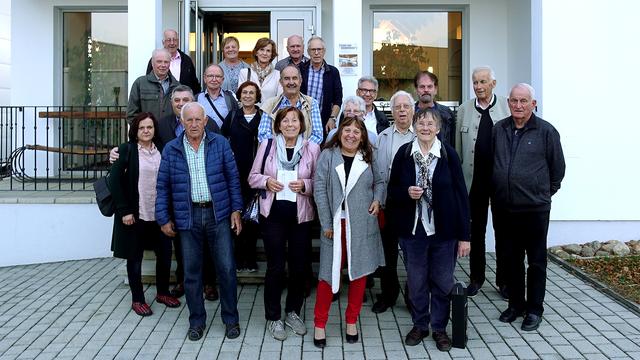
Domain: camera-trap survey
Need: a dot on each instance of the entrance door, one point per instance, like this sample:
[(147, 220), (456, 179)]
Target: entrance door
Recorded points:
[(285, 23)]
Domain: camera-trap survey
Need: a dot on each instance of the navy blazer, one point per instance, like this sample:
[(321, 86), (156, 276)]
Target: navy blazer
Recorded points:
[(450, 199), (331, 88)]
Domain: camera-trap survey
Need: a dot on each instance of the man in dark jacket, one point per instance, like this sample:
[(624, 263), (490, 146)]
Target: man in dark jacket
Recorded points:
[(322, 82), (152, 92), (374, 119), (528, 166), (426, 84), (198, 195), (181, 66)]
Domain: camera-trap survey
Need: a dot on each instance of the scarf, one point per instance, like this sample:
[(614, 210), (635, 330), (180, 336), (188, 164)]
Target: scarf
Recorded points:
[(283, 162), (423, 180), (262, 73)]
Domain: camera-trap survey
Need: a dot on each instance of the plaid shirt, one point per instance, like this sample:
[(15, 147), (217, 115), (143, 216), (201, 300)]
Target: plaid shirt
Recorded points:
[(317, 133), (197, 171), (314, 87)]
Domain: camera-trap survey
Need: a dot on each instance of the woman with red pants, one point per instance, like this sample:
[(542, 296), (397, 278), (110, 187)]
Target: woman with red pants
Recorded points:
[(348, 190)]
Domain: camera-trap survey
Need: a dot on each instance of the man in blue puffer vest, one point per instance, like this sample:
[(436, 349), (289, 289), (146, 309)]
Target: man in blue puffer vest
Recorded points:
[(198, 195)]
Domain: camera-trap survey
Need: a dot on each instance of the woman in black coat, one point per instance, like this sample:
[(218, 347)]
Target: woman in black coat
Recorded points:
[(241, 129), (133, 186), (431, 219)]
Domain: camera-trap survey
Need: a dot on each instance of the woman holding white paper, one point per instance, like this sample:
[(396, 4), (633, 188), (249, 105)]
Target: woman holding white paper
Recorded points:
[(286, 212)]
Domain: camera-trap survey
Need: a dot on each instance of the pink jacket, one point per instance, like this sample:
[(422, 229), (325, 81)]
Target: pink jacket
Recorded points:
[(306, 171)]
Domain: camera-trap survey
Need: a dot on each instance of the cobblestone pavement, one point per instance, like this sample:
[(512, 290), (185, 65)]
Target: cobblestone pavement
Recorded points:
[(81, 310)]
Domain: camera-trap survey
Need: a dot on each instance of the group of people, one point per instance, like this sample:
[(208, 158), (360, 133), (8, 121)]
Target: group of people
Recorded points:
[(281, 135)]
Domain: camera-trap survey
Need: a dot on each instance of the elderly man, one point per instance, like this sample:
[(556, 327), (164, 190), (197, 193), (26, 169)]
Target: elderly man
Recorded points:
[(296, 53), (199, 197), (181, 66), (528, 167), (291, 96), (322, 82), (473, 142), (217, 102), (389, 141), (375, 120), (152, 92), (426, 84)]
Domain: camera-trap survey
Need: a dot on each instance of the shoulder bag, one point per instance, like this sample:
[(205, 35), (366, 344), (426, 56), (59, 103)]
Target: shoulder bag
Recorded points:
[(252, 210)]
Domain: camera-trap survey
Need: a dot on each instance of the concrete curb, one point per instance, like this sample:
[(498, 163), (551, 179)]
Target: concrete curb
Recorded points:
[(603, 288)]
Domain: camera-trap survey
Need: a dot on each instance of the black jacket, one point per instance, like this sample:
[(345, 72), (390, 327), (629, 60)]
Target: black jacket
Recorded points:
[(382, 122), (526, 179), (448, 127), (187, 72), (243, 137), (331, 88), (450, 200), (167, 130)]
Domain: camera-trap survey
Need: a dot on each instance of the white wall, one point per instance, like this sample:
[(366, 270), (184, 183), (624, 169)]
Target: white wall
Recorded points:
[(5, 52), (37, 233)]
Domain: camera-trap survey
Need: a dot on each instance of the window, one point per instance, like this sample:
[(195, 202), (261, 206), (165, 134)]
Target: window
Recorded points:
[(407, 42)]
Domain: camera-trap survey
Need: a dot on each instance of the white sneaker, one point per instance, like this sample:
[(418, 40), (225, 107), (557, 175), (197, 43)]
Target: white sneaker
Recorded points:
[(295, 323), (277, 329)]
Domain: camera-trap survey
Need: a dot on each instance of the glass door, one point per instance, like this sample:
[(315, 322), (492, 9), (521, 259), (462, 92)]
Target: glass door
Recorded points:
[(285, 23)]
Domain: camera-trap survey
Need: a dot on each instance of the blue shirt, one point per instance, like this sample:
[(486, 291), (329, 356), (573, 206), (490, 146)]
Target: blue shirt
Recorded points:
[(317, 133), (219, 103), (314, 86), (197, 171)]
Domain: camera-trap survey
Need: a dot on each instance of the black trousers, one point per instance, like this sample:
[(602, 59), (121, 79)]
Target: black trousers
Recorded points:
[(524, 233), (209, 271), (284, 240), (389, 283), (149, 233), (246, 245), (479, 208)]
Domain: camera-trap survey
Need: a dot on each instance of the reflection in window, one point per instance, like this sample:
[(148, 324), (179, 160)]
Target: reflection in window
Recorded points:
[(407, 42)]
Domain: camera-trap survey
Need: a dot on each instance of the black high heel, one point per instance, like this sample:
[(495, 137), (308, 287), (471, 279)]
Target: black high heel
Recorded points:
[(320, 343), (352, 339)]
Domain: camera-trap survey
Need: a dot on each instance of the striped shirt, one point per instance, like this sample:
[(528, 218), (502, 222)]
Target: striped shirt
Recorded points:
[(314, 87), (266, 121), (197, 171)]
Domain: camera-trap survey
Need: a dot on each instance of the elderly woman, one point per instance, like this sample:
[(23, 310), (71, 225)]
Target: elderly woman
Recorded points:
[(285, 167), (261, 71), (241, 129), (133, 185), (352, 106), (348, 192), (431, 217), (231, 63)]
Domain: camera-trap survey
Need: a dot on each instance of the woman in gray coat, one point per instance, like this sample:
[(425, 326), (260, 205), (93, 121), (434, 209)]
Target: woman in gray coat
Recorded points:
[(347, 191)]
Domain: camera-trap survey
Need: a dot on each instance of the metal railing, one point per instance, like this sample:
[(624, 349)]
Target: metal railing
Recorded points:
[(57, 147)]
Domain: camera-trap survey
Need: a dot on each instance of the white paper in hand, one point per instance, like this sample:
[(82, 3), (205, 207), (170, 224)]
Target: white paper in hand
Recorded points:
[(285, 177)]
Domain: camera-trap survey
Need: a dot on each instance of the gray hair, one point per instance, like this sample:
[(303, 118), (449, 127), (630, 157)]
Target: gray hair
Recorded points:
[(392, 101), (291, 66), (356, 100), (159, 51), (370, 79), (190, 105), (487, 68), (214, 65), (529, 88), (182, 88), (315, 37)]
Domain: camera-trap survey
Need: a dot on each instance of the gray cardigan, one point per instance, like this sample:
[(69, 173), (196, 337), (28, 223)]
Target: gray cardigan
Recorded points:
[(364, 186)]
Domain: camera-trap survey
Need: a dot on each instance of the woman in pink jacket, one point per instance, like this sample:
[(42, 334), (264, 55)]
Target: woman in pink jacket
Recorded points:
[(286, 212)]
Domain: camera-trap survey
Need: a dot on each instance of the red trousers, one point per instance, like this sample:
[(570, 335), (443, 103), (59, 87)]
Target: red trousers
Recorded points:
[(324, 294)]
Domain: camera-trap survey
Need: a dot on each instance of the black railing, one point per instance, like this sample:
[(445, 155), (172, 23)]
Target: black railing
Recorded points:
[(57, 147)]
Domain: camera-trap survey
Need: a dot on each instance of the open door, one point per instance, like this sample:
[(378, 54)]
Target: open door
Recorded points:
[(285, 23)]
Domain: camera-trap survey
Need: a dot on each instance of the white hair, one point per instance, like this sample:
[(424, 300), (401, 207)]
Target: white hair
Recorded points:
[(316, 38), (370, 79), (357, 100), (392, 101), (529, 88), (483, 68), (190, 105), (157, 52)]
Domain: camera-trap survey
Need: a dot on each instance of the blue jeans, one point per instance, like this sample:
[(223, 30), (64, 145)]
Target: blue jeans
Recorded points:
[(430, 263), (218, 236)]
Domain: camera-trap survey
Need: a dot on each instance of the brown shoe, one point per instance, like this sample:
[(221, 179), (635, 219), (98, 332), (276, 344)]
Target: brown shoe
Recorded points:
[(211, 293), (169, 301), (443, 343)]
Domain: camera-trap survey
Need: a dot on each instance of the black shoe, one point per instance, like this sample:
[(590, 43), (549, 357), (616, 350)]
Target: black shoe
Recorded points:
[(232, 331), (443, 342), (509, 315), (320, 343), (351, 339), (472, 289), (211, 293), (380, 306), (178, 290), (531, 322), (502, 289), (415, 336), (195, 334)]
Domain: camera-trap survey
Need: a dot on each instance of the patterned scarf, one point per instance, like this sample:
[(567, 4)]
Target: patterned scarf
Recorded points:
[(262, 73), (423, 180)]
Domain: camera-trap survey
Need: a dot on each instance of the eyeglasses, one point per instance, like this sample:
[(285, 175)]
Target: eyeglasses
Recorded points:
[(316, 49), (211, 76), (402, 107), (368, 91)]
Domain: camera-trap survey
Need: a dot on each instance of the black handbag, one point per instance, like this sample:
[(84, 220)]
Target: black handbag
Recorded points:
[(459, 315), (252, 210), (103, 196)]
